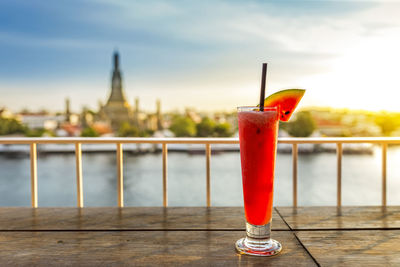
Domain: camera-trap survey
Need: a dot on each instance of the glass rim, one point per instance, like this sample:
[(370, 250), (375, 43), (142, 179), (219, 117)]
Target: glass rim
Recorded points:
[(251, 108)]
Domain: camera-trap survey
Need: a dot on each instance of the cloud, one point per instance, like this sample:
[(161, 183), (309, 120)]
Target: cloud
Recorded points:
[(185, 50)]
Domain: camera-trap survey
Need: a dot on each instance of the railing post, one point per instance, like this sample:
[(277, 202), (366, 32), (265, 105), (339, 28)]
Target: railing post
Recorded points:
[(79, 187), (33, 156), (384, 154), (208, 174), (165, 174), (294, 158), (339, 152), (120, 175)]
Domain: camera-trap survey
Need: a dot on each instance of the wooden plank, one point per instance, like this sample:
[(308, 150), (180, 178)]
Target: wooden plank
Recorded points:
[(353, 248), (375, 217), (114, 218), (140, 248)]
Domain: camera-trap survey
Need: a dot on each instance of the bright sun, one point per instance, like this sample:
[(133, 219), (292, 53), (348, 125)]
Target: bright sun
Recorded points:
[(365, 77)]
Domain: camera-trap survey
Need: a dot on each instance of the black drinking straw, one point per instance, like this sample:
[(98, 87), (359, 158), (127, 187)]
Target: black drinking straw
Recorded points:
[(262, 92)]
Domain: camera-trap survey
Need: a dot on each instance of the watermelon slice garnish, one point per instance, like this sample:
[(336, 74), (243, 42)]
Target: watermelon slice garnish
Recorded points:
[(286, 101)]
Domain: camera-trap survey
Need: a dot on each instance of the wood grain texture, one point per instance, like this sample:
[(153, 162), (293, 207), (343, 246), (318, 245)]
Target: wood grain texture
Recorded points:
[(128, 218), (374, 217), (140, 248), (353, 248)]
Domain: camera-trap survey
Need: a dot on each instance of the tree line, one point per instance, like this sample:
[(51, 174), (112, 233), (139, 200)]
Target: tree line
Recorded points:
[(301, 125), (184, 126)]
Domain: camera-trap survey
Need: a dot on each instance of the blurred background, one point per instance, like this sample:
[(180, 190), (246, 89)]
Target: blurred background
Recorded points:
[(180, 68)]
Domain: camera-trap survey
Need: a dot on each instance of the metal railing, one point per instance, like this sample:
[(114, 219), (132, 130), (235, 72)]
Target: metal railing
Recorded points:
[(207, 142)]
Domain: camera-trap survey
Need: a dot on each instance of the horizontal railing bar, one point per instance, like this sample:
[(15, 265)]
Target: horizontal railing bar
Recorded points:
[(137, 140), (115, 140), (339, 140)]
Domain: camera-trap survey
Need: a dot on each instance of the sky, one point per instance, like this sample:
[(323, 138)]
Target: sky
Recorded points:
[(205, 55)]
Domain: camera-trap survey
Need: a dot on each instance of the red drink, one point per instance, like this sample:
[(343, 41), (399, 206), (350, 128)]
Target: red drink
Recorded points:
[(258, 131), (258, 138)]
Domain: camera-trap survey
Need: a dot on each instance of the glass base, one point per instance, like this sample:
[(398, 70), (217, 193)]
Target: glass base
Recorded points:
[(258, 247), (258, 241)]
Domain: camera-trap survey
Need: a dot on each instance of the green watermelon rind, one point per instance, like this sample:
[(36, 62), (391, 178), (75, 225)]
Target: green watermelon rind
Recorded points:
[(291, 92)]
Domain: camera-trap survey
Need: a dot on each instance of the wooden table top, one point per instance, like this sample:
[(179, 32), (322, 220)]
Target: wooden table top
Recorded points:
[(195, 236)]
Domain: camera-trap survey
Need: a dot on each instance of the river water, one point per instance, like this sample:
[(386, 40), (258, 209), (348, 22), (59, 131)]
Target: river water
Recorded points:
[(361, 179)]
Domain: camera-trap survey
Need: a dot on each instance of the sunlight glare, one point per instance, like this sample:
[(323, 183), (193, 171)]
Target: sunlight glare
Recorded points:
[(365, 77)]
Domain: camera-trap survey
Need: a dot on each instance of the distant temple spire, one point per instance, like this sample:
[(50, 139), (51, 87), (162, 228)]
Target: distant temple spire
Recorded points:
[(136, 112), (159, 116), (117, 109), (116, 60), (67, 110), (117, 94)]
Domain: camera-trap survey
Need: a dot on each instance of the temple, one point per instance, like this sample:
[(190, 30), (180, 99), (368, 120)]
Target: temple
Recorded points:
[(117, 110)]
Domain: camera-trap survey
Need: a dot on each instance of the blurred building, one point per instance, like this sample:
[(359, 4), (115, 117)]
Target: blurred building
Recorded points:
[(67, 110), (70, 118), (86, 117), (159, 115), (103, 129), (117, 110), (41, 120), (68, 130)]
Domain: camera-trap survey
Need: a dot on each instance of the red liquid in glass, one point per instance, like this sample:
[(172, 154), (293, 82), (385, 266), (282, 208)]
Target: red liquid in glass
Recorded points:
[(258, 138)]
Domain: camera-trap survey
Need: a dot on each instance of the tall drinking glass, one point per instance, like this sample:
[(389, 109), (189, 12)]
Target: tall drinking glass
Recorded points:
[(258, 132)]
